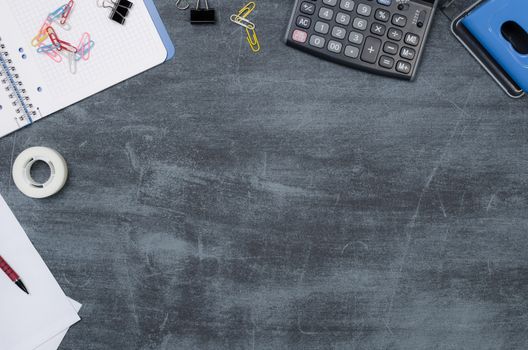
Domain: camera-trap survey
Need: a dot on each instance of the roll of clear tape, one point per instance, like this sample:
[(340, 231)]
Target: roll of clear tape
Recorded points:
[(22, 172)]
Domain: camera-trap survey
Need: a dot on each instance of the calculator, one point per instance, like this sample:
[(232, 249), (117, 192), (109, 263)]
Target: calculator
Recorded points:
[(380, 36)]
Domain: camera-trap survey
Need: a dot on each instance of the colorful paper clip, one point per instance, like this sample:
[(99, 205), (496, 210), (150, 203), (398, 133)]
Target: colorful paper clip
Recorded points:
[(57, 13), (42, 34), (54, 55), (84, 48), (58, 48), (67, 11), (46, 48), (67, 46), (53, 37)]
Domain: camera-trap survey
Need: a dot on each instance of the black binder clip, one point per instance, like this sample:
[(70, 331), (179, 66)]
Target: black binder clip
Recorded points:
[(203, 16), (120, 9)]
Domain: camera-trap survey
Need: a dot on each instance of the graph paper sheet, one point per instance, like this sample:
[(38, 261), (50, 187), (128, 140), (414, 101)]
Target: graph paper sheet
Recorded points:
[(119, 52)]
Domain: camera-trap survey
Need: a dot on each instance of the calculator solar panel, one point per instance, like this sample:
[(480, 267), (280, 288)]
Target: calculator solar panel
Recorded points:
[(380, 36)]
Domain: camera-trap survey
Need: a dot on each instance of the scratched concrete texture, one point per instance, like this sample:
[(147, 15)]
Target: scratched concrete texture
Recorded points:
[(231, 200)]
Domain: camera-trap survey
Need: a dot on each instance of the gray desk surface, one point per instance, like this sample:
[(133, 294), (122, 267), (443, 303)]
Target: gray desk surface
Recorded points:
[(227, 200)]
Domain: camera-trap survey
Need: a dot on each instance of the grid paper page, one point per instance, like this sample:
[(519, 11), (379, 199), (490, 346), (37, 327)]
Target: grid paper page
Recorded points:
[(120, 51)]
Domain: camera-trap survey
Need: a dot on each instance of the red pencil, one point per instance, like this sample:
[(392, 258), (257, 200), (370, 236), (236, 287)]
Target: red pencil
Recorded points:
[(13, 276)]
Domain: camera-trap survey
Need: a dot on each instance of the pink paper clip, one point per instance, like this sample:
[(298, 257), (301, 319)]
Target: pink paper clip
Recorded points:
[(53, 55), (67, 12), (67, 46), (53, 37), (84, 48)]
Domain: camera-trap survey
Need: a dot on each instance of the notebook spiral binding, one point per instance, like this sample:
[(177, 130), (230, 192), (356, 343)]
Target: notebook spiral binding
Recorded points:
[(14, 87)]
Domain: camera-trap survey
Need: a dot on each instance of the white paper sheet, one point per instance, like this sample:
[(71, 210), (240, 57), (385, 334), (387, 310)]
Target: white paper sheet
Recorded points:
[(27, 321), (55, 342)]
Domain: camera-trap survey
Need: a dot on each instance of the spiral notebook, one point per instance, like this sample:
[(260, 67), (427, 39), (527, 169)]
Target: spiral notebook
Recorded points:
[(37, 79)]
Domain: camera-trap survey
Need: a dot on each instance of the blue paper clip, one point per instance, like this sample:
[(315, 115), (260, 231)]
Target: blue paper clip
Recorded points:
[(85, 49), (57, 13), (47, 48)]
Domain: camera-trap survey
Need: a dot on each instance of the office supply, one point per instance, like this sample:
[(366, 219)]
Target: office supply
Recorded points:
[(119, 9), (252, 39), (22, 172), (183, 6), (56, 45), (67, 11), (240, 18), (33, 85), (55, 342), (383, 36), (28, 321), (13, 276), (201, 15), (241, 21), (495, 33)]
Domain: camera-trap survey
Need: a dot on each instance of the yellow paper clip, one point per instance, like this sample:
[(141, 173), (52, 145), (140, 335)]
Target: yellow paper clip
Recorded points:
[(246, 10), (242, 21), (253, 40)]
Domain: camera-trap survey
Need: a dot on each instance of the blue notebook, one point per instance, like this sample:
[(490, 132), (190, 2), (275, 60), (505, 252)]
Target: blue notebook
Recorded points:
[(44, 70), (501, 26)]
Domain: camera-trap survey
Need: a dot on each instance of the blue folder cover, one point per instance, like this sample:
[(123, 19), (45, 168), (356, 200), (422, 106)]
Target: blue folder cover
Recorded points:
[(161, 29), (485, 23)]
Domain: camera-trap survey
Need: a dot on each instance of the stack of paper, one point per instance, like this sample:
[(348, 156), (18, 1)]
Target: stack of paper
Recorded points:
[(41, 319)]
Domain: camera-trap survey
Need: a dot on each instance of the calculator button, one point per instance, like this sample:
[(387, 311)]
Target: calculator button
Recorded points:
[(412, 39), (407, 52), (403, 67), (395, 34), (390, 48), (317, 41), (359, 23), (343, 18), (299, 36), (303, 22), (399, 20), (347, 5), (385, 2), (371, 49), (322, 27), (351, 51), (382, 15), (308, 8), (363, 10), (334, 46), (378, 29), (330, 2), (326, 13), (355, 38), (338, 32), (386, 62)]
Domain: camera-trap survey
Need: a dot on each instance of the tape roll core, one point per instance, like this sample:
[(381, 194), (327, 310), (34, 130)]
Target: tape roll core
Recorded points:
[(22, 172)]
